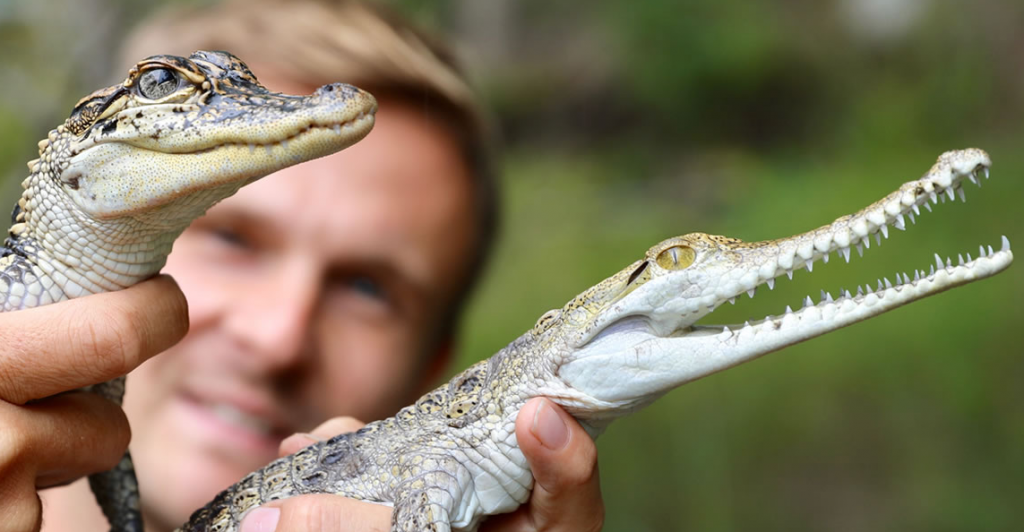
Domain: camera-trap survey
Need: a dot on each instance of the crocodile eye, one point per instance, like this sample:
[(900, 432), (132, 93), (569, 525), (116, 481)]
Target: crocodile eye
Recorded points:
[(676, 257), (157, 83)]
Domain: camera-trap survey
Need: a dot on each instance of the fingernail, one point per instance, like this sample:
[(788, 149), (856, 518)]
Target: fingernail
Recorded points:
[(549, 428), (261, 520), (311, 437)]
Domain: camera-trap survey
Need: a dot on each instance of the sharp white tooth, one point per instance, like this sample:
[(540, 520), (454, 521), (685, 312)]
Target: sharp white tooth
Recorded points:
[(917, 210), (899, 280), (986, 172), (934, 197), (808, 302), (899, 223), (789, 273), (828, 297), (860, 291), (943, 198), (950, 193), (822, 296), (885, 233), (928, 206), (1006, 246), (809, 265), (963, 195), (847, 294), (981, 252), (906, 278), (949, 262), (960, 259), (938, 261), (860, 249), (867, 241), (845, 252), (771, 284), (917, 275), (824, 258), (751, 292), (726, 332), (788, 310), (931, 270), (878, 238), (879, 289), (887, 283), (746, 324), (913, 220), (969, 259), (973, 178), (732, 300), (1006, 241)]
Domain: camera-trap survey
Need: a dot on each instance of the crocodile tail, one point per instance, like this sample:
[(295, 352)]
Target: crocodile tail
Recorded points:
[(118, 494)]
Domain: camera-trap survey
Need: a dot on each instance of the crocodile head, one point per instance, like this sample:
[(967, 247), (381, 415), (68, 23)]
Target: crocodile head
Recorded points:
[(180, 126), (636, 335), (135, 163)]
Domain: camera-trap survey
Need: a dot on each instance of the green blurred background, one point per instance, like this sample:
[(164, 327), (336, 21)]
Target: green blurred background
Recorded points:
[(628, 122)]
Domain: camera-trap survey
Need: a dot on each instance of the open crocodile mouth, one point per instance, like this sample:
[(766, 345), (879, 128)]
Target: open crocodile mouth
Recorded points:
[(945, 181), (649, 335)]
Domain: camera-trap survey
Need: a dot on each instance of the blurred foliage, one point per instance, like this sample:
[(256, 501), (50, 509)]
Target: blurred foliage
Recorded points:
[(629, 122)]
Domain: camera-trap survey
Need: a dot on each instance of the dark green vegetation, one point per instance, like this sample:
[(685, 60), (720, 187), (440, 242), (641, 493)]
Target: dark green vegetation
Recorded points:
[(634, 121)]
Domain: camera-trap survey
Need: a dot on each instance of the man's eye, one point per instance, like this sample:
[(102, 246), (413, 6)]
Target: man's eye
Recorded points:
[(229, 237), (367, 287)]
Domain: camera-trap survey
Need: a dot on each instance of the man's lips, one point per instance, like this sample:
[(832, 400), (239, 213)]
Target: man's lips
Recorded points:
[(232, 415), (235, 420)]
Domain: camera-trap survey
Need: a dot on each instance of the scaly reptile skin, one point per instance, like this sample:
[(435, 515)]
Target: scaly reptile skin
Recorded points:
[(133, 165), (451, 459)]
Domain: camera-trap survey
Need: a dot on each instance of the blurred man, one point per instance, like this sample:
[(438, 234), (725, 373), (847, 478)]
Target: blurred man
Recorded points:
[(328, 289)]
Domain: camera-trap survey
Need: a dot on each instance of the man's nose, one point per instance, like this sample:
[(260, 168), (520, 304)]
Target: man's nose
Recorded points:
[(272, 319)]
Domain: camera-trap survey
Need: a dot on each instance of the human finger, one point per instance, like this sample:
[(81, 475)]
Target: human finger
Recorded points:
[(332, 427), (61, 438), (567, 492), (318, 513), (56, 348)]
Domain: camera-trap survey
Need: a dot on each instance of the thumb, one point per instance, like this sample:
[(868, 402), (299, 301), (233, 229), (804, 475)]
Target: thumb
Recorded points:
[(563, 457), (318, 513)]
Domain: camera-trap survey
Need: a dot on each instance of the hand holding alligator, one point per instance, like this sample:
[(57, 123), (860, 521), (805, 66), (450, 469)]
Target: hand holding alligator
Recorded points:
[(49, 437), (566, 495)]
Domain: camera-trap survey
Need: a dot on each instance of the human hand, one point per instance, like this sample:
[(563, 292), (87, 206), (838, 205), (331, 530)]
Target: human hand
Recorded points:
[(566, 493), (47, 439)]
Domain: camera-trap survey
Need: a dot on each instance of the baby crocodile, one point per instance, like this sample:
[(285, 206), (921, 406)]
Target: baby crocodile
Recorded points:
[(133, 165), (451, 459)]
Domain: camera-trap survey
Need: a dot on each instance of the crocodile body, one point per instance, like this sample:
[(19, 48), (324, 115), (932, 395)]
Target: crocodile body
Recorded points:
[(449, 460), (133, 165)]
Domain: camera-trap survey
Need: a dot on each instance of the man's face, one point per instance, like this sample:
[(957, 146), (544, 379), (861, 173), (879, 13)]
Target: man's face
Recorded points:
[(312, 293)]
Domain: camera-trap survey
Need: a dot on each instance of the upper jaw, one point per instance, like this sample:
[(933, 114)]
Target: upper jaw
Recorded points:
[(763, 261), (194, 128)]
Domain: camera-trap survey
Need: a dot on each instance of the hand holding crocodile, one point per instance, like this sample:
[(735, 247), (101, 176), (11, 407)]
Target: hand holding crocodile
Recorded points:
[(51, 437), (563, 457)]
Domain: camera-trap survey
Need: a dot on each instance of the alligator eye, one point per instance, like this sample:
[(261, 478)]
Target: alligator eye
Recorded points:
[(157, 83), (676, 257)]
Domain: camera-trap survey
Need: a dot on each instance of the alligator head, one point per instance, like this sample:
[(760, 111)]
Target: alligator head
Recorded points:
[(637, 334)]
